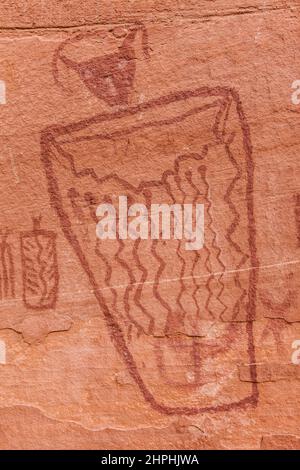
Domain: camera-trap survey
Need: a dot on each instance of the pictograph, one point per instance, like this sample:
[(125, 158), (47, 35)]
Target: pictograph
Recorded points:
[(149, 304), (39, 267), (110, 77), (7, 270), (164, 305)]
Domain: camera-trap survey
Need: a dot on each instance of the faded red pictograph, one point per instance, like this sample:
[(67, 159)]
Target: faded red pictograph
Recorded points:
[(109, 77), (7, 268), (181, 321), (297, 217), (39, 267)]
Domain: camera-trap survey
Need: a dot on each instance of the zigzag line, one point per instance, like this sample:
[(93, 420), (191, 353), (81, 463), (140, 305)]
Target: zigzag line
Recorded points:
[(202, 171), (138, 292), (129, 287), (236, 220)]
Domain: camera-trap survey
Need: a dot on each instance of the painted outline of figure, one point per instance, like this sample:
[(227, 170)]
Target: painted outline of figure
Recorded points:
[(39, 267), (54, 142)]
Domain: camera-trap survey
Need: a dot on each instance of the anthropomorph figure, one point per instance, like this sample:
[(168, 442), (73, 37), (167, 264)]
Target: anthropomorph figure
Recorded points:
[(110, 76)]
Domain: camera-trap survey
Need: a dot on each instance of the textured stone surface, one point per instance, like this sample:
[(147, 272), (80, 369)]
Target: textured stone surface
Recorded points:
[(142, 344)]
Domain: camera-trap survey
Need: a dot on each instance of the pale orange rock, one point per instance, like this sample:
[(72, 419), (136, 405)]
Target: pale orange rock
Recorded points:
[(141, 343), (271, 372), (280, 442)]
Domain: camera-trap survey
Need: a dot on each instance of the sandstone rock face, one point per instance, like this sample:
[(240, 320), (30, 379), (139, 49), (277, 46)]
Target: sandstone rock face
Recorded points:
[(138, 342)]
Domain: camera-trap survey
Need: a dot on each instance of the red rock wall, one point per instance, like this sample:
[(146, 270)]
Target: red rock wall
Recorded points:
[(141, 344)]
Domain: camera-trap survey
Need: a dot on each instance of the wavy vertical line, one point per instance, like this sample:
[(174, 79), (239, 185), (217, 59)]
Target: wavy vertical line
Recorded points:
[(209, 270), (4, 269), (161, 263), (139, 289), (108, 273), (208, 282), (42, 268), (50, 256), (183, 263), (129, 287), (234, 224), (197, 253), (11, 271), (202, 171), (232, 207), (158, 274)]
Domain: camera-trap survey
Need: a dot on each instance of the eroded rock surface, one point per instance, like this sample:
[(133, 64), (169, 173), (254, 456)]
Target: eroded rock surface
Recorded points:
[(141, 343)]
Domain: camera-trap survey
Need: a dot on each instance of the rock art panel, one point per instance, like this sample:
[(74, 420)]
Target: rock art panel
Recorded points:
[(146, 290), (140, 342)]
